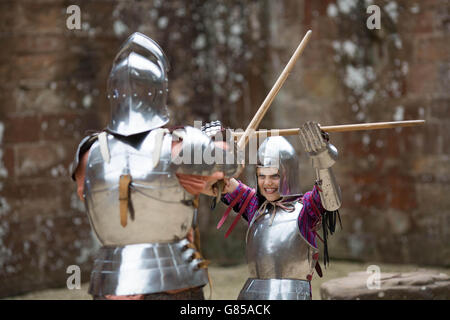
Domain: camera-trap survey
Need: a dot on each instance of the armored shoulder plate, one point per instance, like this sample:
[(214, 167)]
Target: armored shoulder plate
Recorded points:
[(200, 156), (84, 146)]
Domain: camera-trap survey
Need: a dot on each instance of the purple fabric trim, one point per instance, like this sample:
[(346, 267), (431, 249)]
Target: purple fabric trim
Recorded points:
[(253, 205), (308, 219)]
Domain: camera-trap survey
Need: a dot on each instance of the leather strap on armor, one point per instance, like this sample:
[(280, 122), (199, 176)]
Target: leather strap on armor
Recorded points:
[(124, 184), (196, 246), (286, 206), (318, 269), (203, 264)]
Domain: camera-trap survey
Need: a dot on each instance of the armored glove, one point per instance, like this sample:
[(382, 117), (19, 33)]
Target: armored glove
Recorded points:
[(316, 142), (214, 130), (218, 133), (323, 155)]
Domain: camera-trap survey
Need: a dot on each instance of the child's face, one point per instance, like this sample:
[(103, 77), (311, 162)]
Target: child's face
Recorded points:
[(268, 183)]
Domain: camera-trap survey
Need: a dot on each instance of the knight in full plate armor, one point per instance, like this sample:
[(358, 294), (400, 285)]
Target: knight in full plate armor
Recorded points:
[(281, 250), (139, 182)]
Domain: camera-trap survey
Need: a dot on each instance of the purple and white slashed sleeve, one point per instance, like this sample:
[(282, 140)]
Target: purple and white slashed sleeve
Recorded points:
[(252, 206), (310, 216)]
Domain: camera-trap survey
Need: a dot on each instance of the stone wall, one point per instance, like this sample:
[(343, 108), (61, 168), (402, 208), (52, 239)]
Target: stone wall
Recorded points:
[(395, 182), (225, 56), (54, 90)]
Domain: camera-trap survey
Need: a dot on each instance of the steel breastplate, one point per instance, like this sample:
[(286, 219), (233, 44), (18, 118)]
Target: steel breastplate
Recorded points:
[(277, 250), (159, 208)]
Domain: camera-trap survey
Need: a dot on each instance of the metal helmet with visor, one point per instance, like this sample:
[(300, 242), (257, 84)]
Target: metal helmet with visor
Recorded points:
[(138, 87)]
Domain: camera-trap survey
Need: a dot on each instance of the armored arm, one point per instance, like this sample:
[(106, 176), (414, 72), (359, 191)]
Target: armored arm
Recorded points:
[(200, 155), (84, 146), (78, 166), (323, 156)]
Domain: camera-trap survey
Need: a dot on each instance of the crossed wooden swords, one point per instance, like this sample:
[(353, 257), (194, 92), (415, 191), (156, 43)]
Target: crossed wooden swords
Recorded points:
[(243, 137)]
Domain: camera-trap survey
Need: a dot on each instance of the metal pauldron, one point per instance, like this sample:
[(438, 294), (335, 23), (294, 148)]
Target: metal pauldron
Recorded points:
[(200, 155), (84, 145)]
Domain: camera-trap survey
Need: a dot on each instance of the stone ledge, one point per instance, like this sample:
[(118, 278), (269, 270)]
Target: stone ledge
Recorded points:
[(421, 284)]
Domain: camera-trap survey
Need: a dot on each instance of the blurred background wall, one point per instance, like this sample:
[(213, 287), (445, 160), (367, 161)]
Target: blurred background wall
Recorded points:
[(225, 57)]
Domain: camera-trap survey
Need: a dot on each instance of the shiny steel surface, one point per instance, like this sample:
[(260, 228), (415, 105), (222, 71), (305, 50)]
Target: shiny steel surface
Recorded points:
[(201, 156), (74, 165), (323, 156), (145, 268), (161, 209), (138, 87), (275, 289), (326, 158), (322, 153), (330, 193), (278, 152), (277, 250)]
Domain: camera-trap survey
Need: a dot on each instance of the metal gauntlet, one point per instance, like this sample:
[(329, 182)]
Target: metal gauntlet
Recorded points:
[(323, 156)]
